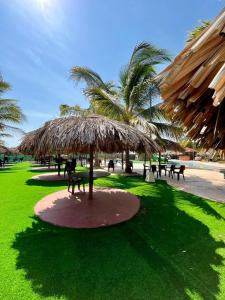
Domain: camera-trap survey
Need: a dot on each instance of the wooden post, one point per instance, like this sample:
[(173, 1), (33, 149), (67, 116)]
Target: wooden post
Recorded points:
[(160, 164), (59, 166), (159, 158), (122, 160), (144, 171), (90, 196), (127, 160)]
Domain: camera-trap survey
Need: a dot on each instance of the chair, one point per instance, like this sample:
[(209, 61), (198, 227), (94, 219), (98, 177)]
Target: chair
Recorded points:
[(180, 172), (162, 167), (171, 170), (73, 179), (111, 165), (154, 170), (1, 163), (131, 166), (70, 167)]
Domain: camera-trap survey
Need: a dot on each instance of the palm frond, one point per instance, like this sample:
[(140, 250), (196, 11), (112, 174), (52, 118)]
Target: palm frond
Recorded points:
[(148, 53), (4, 86), (155, 113), (144, 125), (168, 130), (10, 111), (136, 76), (105, 103), (87, 75)]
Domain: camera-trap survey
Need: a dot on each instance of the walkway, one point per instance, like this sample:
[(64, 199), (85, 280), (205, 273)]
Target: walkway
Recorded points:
[(208, 184)]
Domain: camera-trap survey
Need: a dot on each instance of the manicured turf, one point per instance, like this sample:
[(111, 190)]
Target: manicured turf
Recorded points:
[(173, 249)]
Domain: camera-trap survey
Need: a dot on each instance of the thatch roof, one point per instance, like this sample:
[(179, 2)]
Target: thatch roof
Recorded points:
[(28, 143), (4, 150), (14, 150), (77, 134), (193, 86), (168, 145)]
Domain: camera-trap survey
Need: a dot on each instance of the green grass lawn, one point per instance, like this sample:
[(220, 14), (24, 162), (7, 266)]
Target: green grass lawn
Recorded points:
[(173, 249)]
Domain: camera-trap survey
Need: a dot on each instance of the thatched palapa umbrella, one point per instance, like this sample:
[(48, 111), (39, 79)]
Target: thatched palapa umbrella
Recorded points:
[(88, 135), (169, 145), (4, 150), (193, 86), (28, 143)]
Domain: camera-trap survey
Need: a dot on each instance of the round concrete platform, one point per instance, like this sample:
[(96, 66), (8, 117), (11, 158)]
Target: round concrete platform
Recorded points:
[(108, 207), (55, 177), (42, 169), (50, 177)]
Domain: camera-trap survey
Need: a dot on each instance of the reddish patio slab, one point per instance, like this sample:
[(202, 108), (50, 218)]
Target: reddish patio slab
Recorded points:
[(108, 207), (50, 177), (55, 177), (44, 169)]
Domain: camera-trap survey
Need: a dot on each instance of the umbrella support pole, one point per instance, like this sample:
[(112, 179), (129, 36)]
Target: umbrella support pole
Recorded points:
[(90, 196), (59, 159)]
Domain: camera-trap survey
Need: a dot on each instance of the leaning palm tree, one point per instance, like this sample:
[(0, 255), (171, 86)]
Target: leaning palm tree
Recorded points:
[(129, 102), (198, 30), (76, 110), (10, 112)]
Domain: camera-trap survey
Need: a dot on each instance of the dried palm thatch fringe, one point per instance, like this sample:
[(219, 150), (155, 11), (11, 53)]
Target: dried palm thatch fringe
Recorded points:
[(28, 143), (78, 134), (193, 86), (4, 150), (86, 135), (169, 145)]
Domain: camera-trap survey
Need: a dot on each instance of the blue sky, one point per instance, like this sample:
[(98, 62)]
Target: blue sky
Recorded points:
[(42, 39)]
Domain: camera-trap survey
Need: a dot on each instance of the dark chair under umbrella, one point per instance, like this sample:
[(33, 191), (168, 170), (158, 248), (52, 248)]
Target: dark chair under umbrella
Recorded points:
[(171, 170), (73, 180), (180, 172), (161, 168), (111, 165), (154, 170), (70, 167)]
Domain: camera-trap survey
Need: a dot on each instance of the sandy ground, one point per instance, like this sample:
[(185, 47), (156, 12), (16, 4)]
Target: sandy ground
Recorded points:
[(201, 182)]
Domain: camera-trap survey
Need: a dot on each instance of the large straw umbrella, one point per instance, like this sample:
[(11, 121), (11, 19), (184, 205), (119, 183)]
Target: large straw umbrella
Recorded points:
[(89, 135), (4, 150), (193, 86), (28, 143)]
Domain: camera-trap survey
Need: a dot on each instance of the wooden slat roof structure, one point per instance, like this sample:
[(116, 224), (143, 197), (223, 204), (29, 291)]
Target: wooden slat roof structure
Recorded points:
[(193, 86)]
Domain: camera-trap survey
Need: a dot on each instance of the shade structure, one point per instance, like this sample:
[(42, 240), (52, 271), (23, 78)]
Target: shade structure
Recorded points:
[(169, 145), (4, 150), (193, 86), (14, 150), (87, 135), (28, 143)]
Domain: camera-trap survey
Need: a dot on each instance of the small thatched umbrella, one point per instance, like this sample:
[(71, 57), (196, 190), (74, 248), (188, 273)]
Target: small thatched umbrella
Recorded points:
[(28, 143), (14, 150), (4, 150), (168, 145), (193, 86), (88, 135)]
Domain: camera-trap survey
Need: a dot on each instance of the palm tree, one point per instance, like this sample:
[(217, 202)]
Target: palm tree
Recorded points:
[(197, 30), (10, 112), (76, 110), (129, 102)]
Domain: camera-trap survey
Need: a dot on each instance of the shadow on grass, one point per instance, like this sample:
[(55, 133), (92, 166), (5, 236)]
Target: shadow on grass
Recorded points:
[(34, 182), (44, 171), (162, 253)]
